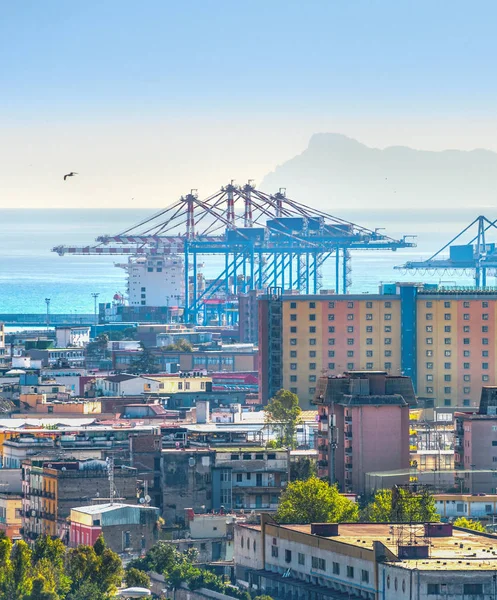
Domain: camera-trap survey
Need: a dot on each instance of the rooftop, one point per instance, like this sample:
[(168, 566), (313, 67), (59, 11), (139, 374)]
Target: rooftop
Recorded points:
[(97, 509), (463, 550)]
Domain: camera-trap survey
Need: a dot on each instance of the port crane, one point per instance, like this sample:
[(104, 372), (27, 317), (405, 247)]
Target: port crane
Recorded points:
[(264, 239), (477, 257)]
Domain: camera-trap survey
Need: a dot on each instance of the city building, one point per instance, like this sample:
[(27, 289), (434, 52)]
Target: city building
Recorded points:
[(443, 339), (67, 337), (471, 506), (326, 561), (10, 515), (155, 280), (125, 385), (248, 317), (52, 489), (232, 478), (127, 529), (363, 426), (58, 357)]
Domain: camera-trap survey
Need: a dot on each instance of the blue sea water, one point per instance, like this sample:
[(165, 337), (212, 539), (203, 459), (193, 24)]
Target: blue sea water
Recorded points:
[(30, 272)]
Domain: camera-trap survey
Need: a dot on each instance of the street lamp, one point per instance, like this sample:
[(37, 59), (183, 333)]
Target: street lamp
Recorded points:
[(95, 295), (47, 301)]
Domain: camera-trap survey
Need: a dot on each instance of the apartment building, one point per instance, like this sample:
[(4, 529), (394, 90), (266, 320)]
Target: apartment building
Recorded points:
[(363, 426), (443, 339), (326, 561)]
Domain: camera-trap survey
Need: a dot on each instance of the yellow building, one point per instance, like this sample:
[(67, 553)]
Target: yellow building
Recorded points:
[(10, 515), (171, 384)]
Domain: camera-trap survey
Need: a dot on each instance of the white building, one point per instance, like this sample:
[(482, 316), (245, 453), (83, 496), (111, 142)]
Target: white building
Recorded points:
[(156, 280), (125, 385), (67, 337), (453, 506), (372, 561)]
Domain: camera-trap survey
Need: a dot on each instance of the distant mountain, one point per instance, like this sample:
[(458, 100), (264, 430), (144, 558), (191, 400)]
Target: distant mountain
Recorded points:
[(336, 171)]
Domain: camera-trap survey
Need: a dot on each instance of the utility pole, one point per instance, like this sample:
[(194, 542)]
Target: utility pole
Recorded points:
[(110, 467), (47, 301), (95, 296)]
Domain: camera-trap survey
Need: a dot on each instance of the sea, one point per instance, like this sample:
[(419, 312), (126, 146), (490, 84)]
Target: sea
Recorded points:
[(31, 272)]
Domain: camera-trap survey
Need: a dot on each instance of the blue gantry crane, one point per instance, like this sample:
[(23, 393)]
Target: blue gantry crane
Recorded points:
[(264, 240), (477, 257)]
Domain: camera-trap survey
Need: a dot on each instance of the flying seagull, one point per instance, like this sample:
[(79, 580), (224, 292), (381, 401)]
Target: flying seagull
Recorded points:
[(71, 174)]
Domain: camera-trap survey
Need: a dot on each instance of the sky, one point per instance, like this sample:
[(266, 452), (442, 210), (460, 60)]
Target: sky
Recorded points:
[(146, 100)]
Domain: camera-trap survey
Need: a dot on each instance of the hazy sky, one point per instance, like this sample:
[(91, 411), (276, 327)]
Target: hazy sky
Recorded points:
[(149, 99)]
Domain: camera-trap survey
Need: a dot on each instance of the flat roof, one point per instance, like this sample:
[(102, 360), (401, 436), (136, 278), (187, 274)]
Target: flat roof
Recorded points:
[(463, 550), (97, 509)]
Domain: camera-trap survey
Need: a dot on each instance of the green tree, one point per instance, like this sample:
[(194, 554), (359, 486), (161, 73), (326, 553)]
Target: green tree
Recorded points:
[(407, 507), (40, 591), (145, 363), (6, 571), (136, 578), (283, 412), (21, 569), (81, 566), (88, 590), (99, 546), (304, 468), (180, 345), (469, 524), (315, 501), (263, 597), (110, 571)]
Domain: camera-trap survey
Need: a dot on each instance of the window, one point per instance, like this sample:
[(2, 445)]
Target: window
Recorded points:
[(331, 341), (429, 329), (466, 402), (293, 305), (293, 330), (433, 589), (369, 366), (369, 304), (473, 589), (429, 365), (447, 316), (225, 475), (387, 329), (293, 317), (466, 329), (350, 341), (429, 341), (388, 305), (484, 353), (318, 563), (446, 304), (301, 558), (331, 366), (448, 353), (467, 377), (429, 390), (484, 329), (467, 390), (388, 316), (388, 366), (312, 329), (429, 304), (429, 316), (350, 329), (288, 556), (293, 366), (484, 304), (465, 304), (447, 341), (466, 316), (447, 365), (350, 366), (466, 341), (466, 353), (484, 366), (312, 317), (312, 390), (484, 341), (429, 353), (428, 378), (369, 353), (350, 317), (331, 354), (447, 329), (484, 377), (388, 353), (331, 305), (274, 551), (294, 390), (484, 316), (350, 305), (388, 341), (312, 341), (293, 378), (312, 305), (350, 572), (447, 402), (369, 329), (466, 365), (331, 329), (312, 366), (293, 341), (350, 353), (447, 390), (336, 568), (293, 353), (447, 378), (365, 576), (331, 317), (369, 317), (312, 378)]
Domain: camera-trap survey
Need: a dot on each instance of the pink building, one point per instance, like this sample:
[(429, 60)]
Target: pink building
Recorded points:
[(363, 426)]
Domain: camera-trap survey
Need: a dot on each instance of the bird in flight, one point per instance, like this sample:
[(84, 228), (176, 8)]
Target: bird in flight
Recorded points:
[(71, 174)]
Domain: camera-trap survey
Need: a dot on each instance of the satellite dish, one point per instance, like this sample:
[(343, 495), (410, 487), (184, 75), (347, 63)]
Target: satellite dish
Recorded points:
[(33, 513), (142, 500), (147, 498), (63, 469)]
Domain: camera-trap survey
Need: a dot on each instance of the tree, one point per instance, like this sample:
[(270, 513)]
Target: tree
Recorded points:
[(40, 592), (315, 501), (88, 590), (283, 412), (21, 568), (469, 524), (408, 507), (263, 597), (145, 363), (110, 571), (81, 565), (180, 345), (136, 578), (304, 468)]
